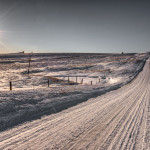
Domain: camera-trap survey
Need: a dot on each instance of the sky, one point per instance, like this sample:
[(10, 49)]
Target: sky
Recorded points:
[(87, 26)]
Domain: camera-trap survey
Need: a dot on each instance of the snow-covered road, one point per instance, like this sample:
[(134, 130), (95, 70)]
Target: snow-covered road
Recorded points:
[(117, 120)]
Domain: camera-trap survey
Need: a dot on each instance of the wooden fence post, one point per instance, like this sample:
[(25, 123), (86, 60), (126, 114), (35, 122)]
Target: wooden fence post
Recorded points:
[(10, 86), (29, 61), (48, 82), (82, 81), (91, 82), (76, 79), (68, 79)]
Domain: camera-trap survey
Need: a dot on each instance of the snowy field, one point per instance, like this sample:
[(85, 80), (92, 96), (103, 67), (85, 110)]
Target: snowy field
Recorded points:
[(43, 84), (117, 120)]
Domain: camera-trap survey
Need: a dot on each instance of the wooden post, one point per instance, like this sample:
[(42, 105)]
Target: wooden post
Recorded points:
[(82, 81), (91, 82), (28, 71), (68, 79), (10, 86), (48, 82), (76, 79), (29, 61), (99, 79)]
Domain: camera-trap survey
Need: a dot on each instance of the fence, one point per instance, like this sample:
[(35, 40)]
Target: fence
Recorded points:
[(48, 81)]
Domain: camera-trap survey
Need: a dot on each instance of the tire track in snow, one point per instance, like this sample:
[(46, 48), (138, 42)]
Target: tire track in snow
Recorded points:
[(94, 135), (116, 120), (108, 128), (122, 137)]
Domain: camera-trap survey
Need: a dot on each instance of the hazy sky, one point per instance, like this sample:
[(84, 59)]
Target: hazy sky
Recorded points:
[(74, 26)]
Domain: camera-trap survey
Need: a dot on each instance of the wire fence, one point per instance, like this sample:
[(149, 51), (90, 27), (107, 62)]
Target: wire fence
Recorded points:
[(32, 82)]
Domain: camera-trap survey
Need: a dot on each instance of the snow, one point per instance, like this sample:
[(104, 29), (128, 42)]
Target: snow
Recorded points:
[(89, 67), (31, 98), (116, 120)]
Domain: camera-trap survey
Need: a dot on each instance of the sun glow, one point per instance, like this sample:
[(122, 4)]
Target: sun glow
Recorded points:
[(3, 46)]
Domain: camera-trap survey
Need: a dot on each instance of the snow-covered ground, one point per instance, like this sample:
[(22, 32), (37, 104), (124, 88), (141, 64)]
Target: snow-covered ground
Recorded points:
[(108, 69), (31, 97), (117, 120)]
